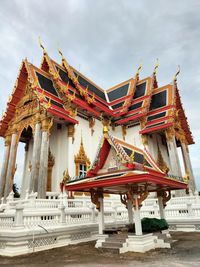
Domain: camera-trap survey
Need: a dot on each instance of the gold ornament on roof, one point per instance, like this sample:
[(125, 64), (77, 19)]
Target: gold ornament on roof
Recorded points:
[(66, 176), (156, 66), (132, 156), (139, 69), (177, 73), (41, 45)]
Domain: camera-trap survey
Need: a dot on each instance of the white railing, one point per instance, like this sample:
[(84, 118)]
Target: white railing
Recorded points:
[(50, 212)]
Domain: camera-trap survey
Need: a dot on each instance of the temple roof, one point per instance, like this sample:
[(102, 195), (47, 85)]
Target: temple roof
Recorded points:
[(125, 104)]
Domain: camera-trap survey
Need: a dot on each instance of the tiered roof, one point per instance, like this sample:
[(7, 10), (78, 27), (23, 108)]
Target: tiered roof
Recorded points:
[(59, 86)]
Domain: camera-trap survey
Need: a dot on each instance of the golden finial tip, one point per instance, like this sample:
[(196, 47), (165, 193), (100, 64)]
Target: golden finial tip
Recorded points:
[(41, 45), (139, 69), (156, 66), (177, 73)]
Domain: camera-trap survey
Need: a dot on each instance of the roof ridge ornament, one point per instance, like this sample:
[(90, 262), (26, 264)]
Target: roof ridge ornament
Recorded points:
[(156, 66), (177, 73), (138, 70), (41, 45)]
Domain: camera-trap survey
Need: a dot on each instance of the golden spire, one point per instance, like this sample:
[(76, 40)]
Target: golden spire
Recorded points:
[(41, 45), (138, 70), (177, 73), (156, 66), (60, 52)]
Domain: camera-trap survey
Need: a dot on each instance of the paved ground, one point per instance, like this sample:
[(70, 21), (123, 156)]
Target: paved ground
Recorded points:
[(184, 252)]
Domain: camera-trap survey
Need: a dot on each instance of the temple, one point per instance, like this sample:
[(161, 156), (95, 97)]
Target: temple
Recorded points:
[(87, 148), (75, 132)]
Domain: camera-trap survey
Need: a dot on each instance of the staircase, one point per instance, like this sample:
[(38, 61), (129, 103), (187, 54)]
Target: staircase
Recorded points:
[(163, 240), (114, 242)]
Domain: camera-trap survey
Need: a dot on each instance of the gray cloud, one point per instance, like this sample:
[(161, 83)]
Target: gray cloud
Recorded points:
[(107, 39)]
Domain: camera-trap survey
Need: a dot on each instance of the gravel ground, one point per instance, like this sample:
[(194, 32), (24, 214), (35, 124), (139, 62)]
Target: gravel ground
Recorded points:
[(184, 252)]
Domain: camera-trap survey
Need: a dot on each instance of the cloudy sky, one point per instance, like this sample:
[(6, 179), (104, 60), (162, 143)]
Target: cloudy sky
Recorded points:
[(107, 40)]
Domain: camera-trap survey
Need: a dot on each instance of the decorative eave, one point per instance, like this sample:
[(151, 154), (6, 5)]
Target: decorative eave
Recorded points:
[(23, 77)]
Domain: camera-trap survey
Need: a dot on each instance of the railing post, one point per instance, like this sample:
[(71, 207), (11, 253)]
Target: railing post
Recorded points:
[(189, 208), (62, 213), (19, 216), (92, 207)]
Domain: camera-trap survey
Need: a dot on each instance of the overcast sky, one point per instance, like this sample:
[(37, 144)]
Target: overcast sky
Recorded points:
[(107, 40)]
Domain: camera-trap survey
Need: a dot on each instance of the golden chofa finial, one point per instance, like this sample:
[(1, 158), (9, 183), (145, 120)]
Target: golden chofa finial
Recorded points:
[(139, 69), (60, 52), (41, 45), (177, 73), (156, 66)]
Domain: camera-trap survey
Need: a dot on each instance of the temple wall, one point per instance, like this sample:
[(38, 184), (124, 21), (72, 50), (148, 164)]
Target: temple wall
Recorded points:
[(153, 141), (59, 148)]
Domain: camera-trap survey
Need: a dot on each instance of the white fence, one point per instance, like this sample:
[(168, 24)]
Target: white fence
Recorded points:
[(60, 210)]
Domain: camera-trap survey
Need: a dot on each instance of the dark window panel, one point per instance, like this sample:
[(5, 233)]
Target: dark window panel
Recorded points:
[(119, 105), (64, 76), (157, 116), (91, 87), (46, 84), (53, 102), (159, 100), (118, 93), (135, 106), (140, 90)]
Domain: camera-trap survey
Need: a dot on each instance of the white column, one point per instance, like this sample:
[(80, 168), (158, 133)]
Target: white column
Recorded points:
[(130, 211), (138, 224), (188, 166), (42, 179), (175, 168), (11, 165), (101, 216), (24, 178), (35, 158), (4, 166), (161, 208)]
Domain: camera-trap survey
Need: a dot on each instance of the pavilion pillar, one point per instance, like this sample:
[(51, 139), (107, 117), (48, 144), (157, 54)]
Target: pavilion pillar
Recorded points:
[(175, 167), (130, 211), (11, 164), (188, 166), (35, 158), (137, 219), (70, 158), (43, 171), (161, 207), (4, 166), (101, 215), (24, 178)]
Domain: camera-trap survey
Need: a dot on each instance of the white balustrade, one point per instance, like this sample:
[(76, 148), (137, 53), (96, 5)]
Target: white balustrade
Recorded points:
[(48, 212)]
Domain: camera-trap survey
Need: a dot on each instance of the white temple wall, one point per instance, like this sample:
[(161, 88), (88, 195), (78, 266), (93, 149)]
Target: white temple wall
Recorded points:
[(132, 135), (153, 143)]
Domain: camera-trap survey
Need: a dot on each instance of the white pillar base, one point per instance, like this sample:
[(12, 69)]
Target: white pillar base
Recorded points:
[(100, 239), (140, 243)]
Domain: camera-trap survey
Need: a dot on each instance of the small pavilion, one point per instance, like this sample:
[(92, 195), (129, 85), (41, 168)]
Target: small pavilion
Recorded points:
[(131, 172)]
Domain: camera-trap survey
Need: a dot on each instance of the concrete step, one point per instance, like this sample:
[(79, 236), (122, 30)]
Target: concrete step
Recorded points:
[(109, 250), (112, 245)]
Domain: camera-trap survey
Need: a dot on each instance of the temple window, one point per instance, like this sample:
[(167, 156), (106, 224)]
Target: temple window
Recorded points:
[(82, 170)]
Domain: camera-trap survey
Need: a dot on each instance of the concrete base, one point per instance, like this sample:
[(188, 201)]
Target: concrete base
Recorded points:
[(140, 243), (23, 241)]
